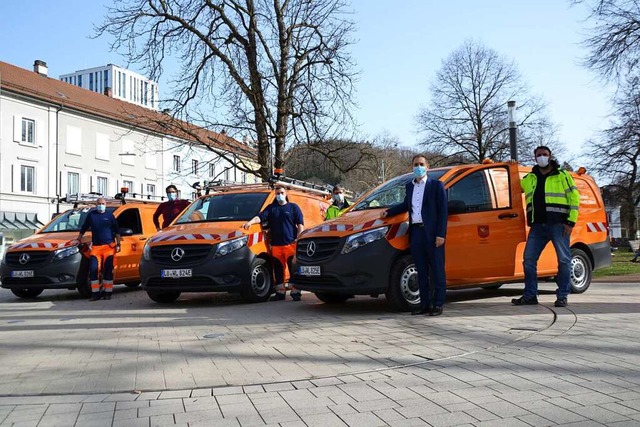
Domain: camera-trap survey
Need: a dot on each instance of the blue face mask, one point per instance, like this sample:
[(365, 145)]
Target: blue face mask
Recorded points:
[(419, 171), (171, 196), (281, 198), (101, 208)]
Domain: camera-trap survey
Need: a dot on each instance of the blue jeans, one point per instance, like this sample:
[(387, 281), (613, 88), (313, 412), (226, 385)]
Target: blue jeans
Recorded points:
[(539, 236)]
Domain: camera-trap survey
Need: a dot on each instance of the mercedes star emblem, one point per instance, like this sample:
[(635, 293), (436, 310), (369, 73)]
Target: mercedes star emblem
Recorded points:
[(177, 254), (24, 258), (311, 248)]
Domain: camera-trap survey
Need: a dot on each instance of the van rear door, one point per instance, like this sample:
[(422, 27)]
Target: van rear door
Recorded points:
[(486, 223)]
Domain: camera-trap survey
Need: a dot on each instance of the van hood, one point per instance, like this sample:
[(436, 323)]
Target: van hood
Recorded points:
[(348, 223), (46, 241), (211, 231)]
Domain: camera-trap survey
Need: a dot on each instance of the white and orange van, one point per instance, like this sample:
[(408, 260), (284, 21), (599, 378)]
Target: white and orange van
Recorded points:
[(49, 260), (206, 249), (361, 254)]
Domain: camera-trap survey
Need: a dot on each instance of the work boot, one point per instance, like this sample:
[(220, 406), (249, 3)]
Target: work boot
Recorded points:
[(561, 302), (279, 296), (296, 296), (525, 301), (95, 296)]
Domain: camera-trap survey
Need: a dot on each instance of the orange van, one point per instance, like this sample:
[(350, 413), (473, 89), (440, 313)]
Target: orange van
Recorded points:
[(206, 249), (49, 260), (361, 254)]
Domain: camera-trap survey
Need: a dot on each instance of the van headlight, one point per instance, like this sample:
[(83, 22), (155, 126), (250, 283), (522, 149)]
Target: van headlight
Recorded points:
[(358, 240), (146, 251), (65, 252), (229, 246)]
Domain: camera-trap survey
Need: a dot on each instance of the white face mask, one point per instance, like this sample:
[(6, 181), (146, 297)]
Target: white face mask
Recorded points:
[(338, 197), (542, 161), (102, 208), (281, 198)]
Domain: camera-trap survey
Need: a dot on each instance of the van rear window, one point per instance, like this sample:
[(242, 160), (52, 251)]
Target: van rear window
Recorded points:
[(224, 207)]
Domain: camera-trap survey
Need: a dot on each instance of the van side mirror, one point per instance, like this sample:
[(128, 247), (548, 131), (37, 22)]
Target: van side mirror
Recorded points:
[(125, 231), (456, 207)]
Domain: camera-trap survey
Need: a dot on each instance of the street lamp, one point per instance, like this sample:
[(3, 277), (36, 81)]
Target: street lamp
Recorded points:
[(511, 107)]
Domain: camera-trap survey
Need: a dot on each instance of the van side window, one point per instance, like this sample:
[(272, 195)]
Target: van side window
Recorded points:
[(472, 193), (130, 218)]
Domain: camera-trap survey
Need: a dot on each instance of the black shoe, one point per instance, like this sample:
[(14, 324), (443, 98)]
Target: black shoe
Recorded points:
[(525, 301), (421, 311), (561, 302), (95, 296), (107, 295), (436, 311), (277, 297), (297, 296)]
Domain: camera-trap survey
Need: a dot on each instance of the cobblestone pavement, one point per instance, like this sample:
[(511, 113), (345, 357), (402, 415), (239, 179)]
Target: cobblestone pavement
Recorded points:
[(210, 359)]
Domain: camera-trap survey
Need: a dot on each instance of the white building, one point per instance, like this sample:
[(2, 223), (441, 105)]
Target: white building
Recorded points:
[(56, 138), (123, 84)]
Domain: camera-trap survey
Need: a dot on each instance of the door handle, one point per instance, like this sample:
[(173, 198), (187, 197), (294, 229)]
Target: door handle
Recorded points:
[(143, 238), (508, 215)]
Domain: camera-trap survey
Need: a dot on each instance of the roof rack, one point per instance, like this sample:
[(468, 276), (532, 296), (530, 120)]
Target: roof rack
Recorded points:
[(85, 198), (277, 178)]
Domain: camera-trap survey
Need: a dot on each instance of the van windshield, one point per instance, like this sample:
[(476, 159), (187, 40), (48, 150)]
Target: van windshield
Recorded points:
[(70, 220), (224, 207), (391, 192)]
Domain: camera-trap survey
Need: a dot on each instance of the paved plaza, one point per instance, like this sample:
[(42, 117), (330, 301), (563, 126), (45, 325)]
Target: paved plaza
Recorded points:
[(212, 360)]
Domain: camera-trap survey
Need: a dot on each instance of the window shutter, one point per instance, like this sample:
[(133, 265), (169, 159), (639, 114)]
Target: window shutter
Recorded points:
[(17, 128)]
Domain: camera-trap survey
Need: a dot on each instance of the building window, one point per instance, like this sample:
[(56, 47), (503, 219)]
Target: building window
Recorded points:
[(227, 174), (194, 166), (73, 183), (212, 169), (103, 185), (27, 174), (80, 80), (176, 163), (128, 185), (90, 81), (28, 131), (151, 189)]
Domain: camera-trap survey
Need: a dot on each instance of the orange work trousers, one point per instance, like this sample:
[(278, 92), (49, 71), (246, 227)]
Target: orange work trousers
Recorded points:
[(281, 256), (102, 258)]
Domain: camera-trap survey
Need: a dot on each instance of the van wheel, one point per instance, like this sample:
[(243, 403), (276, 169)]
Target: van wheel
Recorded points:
[(404, 293), (132, 285), (165, 297), (331, 297), (581, 271), (260, 284), (27, 292), (84, 287)]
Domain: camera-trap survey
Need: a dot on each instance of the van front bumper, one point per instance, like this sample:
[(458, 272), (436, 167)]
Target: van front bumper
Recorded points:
[(46, 274), (223, 274), (364, 271)]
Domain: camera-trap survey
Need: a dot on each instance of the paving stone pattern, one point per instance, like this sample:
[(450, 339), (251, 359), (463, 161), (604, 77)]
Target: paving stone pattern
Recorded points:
[(212, 360)]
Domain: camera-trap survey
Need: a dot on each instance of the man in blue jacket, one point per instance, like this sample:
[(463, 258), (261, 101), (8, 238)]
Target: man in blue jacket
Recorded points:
[(426, 202)]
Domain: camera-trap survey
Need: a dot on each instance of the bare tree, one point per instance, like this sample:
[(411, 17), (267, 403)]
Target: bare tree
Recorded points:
[(467, 115), (615, 39), (615, 154), (278, 71)]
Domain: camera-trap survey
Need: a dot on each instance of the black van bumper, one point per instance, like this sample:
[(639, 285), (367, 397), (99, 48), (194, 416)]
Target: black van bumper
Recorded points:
[(601, 254), (47, 274), (224, 274), (364, 271)]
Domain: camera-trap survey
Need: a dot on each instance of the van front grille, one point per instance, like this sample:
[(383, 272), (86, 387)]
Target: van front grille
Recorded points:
[(29, 258), (317, 249), (180, 254)]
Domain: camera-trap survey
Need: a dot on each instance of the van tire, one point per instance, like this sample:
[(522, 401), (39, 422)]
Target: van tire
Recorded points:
[(27, 293), (403, 293), (84, 287), (260, 285), (132, 285), (164, 297), (332, 297), (581, 271)]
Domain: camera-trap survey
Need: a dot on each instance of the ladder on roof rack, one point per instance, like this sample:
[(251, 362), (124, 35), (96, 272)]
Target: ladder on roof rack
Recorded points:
[(305, 186)]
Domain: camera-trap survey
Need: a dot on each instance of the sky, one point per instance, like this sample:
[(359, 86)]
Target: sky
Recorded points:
[(399, 47)]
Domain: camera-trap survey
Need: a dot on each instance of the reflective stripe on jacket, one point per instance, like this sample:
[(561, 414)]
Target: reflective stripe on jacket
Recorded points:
[(560, 195)]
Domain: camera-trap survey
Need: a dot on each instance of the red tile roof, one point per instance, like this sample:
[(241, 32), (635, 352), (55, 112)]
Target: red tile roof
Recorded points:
[(43, 88)]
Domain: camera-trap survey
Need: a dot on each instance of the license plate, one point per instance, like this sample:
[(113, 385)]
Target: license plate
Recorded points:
[(309, 270), (177, 273), (22, 273)]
